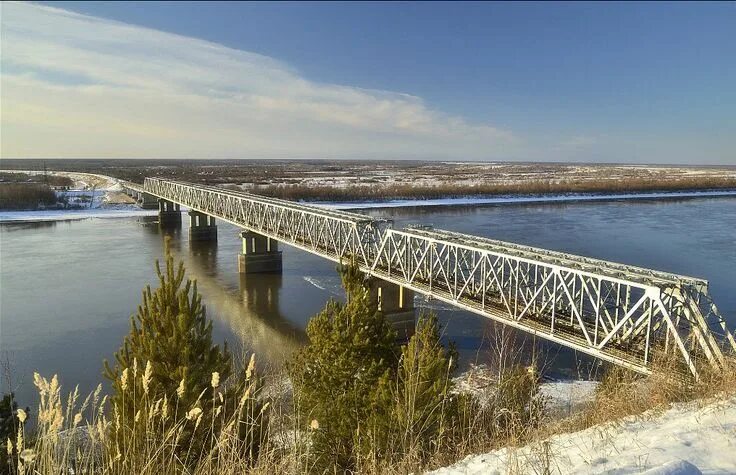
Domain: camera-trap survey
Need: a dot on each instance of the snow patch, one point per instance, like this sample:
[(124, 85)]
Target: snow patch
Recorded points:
[(72, 215), (684, 440), (567, 395)]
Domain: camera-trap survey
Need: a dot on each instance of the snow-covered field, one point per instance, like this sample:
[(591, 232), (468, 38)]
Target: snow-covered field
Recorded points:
[(685, 440), (352, 175)]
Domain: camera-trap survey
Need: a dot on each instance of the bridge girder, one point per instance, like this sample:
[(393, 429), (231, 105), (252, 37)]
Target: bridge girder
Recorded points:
[(615, 312)]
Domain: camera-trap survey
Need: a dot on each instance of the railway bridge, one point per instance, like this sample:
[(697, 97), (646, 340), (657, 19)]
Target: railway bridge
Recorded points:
[(615, 312)]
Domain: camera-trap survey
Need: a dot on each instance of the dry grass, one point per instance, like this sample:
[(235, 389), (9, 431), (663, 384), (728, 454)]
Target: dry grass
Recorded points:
[(87, 437), (73, 436), (623, 393)]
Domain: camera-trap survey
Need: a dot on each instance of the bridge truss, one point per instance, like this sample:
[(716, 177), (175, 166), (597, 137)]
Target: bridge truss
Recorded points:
[(615, 312)]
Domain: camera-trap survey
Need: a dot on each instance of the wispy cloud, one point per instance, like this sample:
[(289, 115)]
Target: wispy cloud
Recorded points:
[(79, 86)]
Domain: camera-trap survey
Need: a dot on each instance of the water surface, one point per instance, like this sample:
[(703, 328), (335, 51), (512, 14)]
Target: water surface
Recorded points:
[(68, 288)]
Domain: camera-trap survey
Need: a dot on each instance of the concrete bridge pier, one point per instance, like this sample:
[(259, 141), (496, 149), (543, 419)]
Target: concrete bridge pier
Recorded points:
[(147, 201), (169, 213), (260, 254), (202, 227), (397, 304)]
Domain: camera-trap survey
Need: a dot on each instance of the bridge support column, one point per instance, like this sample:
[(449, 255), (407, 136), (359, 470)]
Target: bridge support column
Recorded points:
[(147, 201), (260, 254), (397, 304), (169, 214), (202, 227)]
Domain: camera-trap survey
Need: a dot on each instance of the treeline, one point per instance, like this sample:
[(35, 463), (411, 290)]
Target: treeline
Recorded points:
[(26, 196), (51, 180), (380, 192)]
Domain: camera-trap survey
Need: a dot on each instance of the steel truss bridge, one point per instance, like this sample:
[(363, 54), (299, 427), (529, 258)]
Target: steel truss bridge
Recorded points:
[(614, 312)]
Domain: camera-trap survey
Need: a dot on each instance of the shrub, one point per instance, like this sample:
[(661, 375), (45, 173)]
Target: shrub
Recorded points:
[(372, 409), (336, 375), (168, 359), (421, 402), (26, 196)]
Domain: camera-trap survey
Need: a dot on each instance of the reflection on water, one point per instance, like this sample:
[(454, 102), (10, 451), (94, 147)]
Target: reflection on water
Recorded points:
[(251, 311), (25, 226), (67, 289)]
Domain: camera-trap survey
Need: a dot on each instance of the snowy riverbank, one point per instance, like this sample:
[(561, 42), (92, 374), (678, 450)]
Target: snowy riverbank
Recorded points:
[(685, 440), (91, 196), (73, 214), (500, 200), (108, 201)]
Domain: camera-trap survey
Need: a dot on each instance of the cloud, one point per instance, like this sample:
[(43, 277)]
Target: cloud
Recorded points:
[(80, 86)]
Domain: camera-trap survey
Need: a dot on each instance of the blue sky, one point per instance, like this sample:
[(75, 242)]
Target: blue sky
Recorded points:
[(620, 82)]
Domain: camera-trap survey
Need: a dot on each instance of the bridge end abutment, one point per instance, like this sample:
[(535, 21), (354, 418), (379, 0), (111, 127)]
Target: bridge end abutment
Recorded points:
[(397, 304), (202, 227), (260, 254)]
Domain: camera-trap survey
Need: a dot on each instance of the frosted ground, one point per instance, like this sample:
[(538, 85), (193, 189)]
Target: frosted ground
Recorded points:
[(685, 440), (357, 175)]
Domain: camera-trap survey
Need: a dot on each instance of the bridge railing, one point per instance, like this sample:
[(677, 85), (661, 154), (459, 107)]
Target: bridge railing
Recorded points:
[(615, 312)]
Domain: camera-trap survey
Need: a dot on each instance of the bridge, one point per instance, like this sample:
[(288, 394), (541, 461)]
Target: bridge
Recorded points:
[(615, 312)]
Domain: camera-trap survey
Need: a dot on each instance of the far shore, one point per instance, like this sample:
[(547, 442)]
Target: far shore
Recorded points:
[(130, 210)]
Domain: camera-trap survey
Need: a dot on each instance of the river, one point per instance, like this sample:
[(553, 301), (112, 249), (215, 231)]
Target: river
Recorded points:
[(68, 288)]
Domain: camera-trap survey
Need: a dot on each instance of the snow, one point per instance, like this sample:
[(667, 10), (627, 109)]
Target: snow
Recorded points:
[(108, 201), (104, 192), (560, 396), (566, 396), (521, 199), (73, 214), (686, 439)]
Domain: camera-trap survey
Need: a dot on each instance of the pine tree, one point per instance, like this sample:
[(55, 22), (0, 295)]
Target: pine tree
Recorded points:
[(336, 375), (422, 401), (167, 354)]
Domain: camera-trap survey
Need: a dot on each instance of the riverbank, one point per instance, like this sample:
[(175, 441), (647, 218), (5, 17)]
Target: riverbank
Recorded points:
[(85, 195), (687, 439), (107, 200)]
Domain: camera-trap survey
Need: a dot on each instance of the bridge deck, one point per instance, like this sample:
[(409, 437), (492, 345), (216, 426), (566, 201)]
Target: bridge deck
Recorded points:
[(615, 312)]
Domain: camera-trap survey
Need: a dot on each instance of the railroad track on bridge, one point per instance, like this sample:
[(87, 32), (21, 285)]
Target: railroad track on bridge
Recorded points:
[(615, 312)]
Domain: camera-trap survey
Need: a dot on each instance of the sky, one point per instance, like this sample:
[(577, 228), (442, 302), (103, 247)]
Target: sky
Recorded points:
[(582, 82)]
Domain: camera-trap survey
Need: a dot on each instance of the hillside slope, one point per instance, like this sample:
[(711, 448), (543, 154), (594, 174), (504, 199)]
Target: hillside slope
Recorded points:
[(685, 440)]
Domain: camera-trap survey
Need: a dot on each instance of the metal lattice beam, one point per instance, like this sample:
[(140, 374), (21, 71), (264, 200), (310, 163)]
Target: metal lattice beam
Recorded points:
[(615, 312)]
